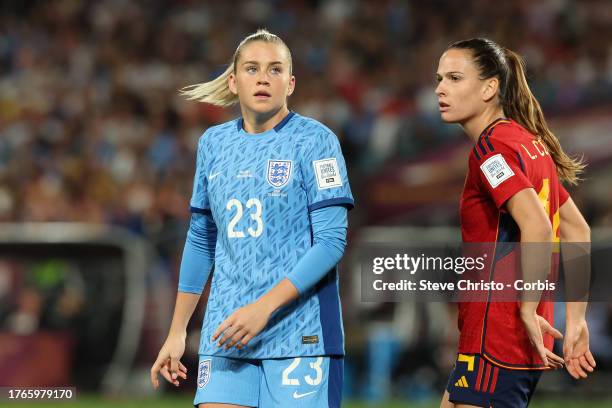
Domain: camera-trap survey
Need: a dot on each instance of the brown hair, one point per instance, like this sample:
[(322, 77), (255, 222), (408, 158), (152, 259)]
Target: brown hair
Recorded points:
[(518, 101)]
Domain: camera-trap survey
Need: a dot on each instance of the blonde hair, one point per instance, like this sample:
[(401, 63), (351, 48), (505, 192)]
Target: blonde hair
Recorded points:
[(217, 92)]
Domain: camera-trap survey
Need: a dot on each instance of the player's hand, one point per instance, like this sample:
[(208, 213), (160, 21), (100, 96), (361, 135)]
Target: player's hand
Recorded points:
[(168, 361), (579, 360), (242, 325), (536, 327)]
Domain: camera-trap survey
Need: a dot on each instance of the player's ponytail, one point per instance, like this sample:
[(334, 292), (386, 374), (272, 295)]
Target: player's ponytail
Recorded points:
[(521, 105), (217, 92), (517, 100)]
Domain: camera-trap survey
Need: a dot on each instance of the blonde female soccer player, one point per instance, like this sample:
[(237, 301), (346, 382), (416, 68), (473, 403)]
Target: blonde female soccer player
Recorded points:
[(269, 206), (512, 193)]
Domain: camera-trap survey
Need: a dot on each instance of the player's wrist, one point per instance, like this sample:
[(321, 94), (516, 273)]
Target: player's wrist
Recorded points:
[(177, 333), (528, 309), (267, 305), (575, 320)]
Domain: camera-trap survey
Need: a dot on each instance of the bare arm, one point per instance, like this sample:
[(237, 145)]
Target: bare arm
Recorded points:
[(183, 310), (536, 233), (536, 246), (168, 360), (575, 236)]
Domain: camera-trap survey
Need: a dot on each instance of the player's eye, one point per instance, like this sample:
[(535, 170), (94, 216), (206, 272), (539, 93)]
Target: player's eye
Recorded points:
[(251, 69), (276, 70), (455, 78), (438, 78)]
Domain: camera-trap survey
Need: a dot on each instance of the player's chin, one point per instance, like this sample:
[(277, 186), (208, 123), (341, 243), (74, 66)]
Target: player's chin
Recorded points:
[(263, 107), (448, 117)]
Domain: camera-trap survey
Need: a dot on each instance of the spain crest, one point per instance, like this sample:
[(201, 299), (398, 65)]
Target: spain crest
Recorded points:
[(279, 172), (203, 373)]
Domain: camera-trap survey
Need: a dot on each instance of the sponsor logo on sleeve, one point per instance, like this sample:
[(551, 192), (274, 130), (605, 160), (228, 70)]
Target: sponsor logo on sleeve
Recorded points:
[(327, 173), (496, 170)]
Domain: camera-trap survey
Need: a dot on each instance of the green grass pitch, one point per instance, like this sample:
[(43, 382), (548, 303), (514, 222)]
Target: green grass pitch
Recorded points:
[(91, 401)]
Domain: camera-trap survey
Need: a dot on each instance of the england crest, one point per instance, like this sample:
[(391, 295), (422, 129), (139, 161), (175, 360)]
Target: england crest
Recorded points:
[(204, 373), (279, 172)]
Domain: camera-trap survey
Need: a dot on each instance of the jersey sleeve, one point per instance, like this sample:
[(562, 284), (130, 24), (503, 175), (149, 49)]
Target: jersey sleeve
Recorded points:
[(199, 198), (324, 173), (563, 195), (500, 169)]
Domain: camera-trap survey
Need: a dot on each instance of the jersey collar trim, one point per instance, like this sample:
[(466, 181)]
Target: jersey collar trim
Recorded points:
[(277, 128), (493, 124)]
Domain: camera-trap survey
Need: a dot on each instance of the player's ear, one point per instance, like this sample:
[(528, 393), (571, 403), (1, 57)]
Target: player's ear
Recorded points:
[(490, 89), (231, 83), (291, 87)]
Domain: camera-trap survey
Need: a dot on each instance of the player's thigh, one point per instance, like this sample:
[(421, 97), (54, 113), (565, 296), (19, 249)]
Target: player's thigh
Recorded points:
[(313, 382), (224, 382), (515, 388), (472, 383), (445, 403)]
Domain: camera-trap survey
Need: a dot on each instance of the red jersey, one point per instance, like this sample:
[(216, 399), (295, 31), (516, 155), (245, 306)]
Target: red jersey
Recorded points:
[(506, 159)]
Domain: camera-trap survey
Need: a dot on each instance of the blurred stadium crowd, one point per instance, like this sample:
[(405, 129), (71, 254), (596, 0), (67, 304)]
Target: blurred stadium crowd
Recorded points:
[(92, 128)]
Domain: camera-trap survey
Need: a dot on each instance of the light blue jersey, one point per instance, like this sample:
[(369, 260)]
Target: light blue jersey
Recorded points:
[(260, 189)]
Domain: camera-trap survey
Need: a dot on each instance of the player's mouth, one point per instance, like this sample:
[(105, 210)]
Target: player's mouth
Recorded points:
[(443, 106), (262, 95)]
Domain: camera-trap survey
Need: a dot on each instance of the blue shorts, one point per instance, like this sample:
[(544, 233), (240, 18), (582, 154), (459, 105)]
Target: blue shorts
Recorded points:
[(475, 381), (314, 382)]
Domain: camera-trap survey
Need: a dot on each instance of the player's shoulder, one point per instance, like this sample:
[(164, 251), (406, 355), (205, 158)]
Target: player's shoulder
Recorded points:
[(504, 136), (221, 129), (507, 132), (218, 132), (310, 129)]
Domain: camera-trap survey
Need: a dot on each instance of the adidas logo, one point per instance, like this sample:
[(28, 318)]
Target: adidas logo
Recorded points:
[(462, 382)]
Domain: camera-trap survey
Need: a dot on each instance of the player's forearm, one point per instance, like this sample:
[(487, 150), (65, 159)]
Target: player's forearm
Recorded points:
[(575, 312), (183, 310), (536, 251), (576, 256), (280, 295), (575, 232)]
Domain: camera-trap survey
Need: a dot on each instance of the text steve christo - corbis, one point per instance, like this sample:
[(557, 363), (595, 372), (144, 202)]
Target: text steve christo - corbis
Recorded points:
[(459, 265)]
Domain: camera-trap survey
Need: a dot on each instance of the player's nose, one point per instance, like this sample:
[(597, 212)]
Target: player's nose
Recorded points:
[(440, 89), (262, 78)]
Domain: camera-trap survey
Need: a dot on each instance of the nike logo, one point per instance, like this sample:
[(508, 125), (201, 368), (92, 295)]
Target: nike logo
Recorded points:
[(298, 396), (213, 175)]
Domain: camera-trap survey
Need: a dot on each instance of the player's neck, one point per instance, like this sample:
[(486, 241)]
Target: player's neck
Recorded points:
[(259, 123), (477, 124)]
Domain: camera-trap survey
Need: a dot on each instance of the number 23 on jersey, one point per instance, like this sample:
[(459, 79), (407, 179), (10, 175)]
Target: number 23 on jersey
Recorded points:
[(255, 209)]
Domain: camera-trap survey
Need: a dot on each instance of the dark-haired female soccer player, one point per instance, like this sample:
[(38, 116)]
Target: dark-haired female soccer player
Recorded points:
[(512, 193), (269, 207)]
